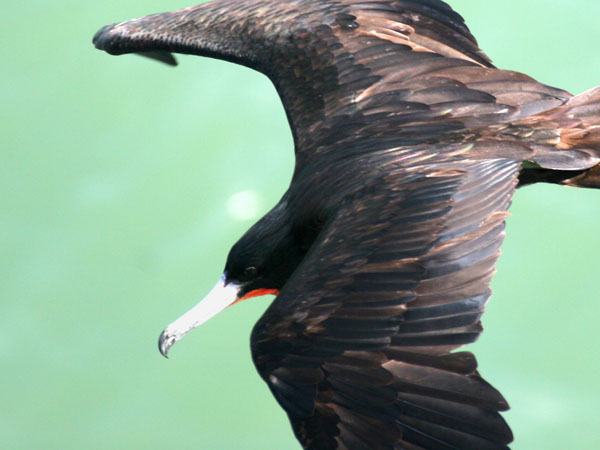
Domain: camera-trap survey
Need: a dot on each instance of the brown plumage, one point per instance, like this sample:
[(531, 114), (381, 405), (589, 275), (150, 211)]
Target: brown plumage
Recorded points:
[(409, 145)]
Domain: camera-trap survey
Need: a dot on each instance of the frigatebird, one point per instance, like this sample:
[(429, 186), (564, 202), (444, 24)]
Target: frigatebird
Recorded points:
[(409, 145)]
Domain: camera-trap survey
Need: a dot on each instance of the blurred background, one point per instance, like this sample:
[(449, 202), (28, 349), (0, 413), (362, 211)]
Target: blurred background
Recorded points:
[(124, 183)]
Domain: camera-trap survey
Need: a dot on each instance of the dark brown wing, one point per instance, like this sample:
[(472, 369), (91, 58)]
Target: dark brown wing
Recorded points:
[(356, 347), (348, 69)]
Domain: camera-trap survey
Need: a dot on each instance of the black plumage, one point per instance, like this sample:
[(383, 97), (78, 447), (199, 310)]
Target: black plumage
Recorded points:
[(409, 145)]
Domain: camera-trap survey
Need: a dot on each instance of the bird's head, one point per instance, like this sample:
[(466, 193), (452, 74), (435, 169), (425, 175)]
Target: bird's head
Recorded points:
[(258, 264)]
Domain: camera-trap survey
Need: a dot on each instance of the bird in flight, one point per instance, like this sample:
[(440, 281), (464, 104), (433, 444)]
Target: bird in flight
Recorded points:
[(409, 145)]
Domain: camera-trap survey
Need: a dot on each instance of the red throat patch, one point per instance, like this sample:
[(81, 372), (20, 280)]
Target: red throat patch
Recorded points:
[(257, 293)]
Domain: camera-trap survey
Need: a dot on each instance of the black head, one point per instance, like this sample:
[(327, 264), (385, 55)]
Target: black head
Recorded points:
[(259, 263), (266, 255)]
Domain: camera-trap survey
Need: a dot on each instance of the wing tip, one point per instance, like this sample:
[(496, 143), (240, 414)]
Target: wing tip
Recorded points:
[(104, 39), (112, 42)]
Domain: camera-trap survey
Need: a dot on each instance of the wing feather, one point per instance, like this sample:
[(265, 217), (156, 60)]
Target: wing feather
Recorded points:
[(350, 69), (377, 315)]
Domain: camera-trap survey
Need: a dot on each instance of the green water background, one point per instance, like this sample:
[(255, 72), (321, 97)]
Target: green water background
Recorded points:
[(116, 215)]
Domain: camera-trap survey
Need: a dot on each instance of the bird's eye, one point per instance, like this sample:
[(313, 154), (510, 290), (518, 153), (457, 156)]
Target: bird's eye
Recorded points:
[(250, 271)]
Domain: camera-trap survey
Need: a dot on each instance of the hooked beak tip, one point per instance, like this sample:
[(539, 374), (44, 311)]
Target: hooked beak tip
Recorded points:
[(165, 341), (219, 298)]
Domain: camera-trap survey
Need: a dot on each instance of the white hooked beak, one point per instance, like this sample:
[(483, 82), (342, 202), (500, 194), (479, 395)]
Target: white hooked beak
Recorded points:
[(219, 298)]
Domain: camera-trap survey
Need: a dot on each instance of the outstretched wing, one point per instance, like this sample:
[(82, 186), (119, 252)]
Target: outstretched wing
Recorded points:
[(349, 69), (357, 346)]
